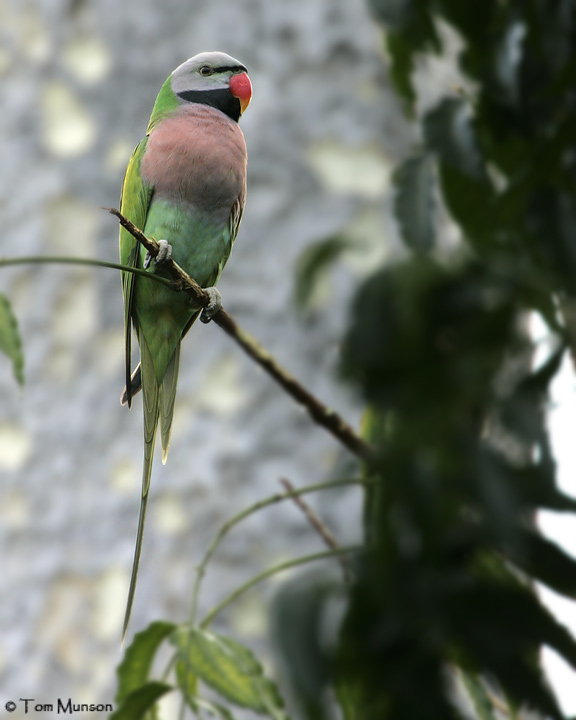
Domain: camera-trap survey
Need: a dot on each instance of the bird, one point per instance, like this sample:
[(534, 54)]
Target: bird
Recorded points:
[(185, 185)]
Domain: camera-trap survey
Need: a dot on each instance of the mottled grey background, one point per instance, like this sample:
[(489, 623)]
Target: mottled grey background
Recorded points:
[(78, 79)]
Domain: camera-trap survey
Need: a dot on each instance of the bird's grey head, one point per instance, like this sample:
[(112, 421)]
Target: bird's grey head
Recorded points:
[(215, 79)]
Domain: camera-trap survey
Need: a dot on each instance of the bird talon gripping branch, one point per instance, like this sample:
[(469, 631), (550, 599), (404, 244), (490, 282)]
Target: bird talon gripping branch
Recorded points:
[(186, 183), (164, 252), (214, 305)]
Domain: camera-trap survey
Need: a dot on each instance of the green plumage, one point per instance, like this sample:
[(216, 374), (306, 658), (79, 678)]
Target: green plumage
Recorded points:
[(173, 190)]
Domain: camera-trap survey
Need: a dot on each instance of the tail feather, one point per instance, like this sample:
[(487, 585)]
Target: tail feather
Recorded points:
[(167, 398), (151, 404), (135, 563)]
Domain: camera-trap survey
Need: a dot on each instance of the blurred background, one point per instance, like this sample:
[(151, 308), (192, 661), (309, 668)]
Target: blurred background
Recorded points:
[(78, 81)]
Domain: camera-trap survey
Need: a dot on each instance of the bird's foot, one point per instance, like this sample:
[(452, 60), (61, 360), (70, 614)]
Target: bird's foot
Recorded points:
[(214, 304), (164, 253)]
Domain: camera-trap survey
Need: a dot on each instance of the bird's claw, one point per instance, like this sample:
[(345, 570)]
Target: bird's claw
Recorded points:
[(164, 253), (214, 304)]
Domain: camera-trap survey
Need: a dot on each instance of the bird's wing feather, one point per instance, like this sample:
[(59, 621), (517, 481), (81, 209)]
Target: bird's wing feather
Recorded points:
[(169, 383), (236, 217), (134, 204), (167, 399), (233, 226)]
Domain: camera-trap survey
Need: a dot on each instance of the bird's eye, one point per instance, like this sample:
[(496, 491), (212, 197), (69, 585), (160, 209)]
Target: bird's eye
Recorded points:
[(205, 70)]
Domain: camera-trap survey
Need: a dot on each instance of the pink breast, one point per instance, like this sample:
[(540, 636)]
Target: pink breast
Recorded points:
[(197, 156)]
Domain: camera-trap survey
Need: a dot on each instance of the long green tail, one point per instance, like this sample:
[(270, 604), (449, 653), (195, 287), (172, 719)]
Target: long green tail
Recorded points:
[(158, 403), (151, 405)]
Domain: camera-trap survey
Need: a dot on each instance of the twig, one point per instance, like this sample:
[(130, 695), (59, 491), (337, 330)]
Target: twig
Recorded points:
[(320, 413), (66, 260), (311, 516), (319, 526), (272, 571), (498, 704), (266, 502)]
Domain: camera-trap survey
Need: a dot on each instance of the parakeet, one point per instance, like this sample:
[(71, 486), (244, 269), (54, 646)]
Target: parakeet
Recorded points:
[(185, 186)]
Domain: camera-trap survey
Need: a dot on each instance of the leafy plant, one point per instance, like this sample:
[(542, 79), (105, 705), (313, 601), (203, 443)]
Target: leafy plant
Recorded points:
[(439, 349)]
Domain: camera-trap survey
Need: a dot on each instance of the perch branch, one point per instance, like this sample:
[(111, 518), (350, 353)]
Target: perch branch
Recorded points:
[(320, 413)]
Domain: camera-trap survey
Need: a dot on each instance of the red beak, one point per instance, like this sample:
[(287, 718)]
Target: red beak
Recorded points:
[(241, 87)]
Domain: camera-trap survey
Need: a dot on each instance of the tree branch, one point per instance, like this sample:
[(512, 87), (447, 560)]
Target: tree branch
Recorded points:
[(320, 413)]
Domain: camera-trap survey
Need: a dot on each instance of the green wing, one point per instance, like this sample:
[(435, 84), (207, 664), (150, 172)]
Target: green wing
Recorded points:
[(134, 204)]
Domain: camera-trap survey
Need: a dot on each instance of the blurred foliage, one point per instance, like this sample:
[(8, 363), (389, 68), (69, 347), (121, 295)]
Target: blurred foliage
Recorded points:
[(314, 262), (414, 202), (439, 347)]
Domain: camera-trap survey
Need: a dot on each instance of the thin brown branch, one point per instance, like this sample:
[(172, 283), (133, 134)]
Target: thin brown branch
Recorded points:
[(320, 413), (319, 526), (180, 279), (498, 704), (311, 516)]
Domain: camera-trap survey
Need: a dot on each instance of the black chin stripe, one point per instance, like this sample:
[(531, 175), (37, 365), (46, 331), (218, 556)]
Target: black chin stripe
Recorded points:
[(222, 100)]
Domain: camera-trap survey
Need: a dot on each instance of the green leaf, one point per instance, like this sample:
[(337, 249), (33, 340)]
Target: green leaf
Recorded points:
[(349, 700), (522, 624), (449, 132), (139, 702), (539, 381), (393, 13), (409, 30), (392, 347), (230, 669), (520, 412), (134, 669), (544, 561), (535, 485), (508, 59), (482, 703), (414, 201), (473, 20), (312, 265), (10, 340), (188, 683), (214, 709), (401, 68)]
